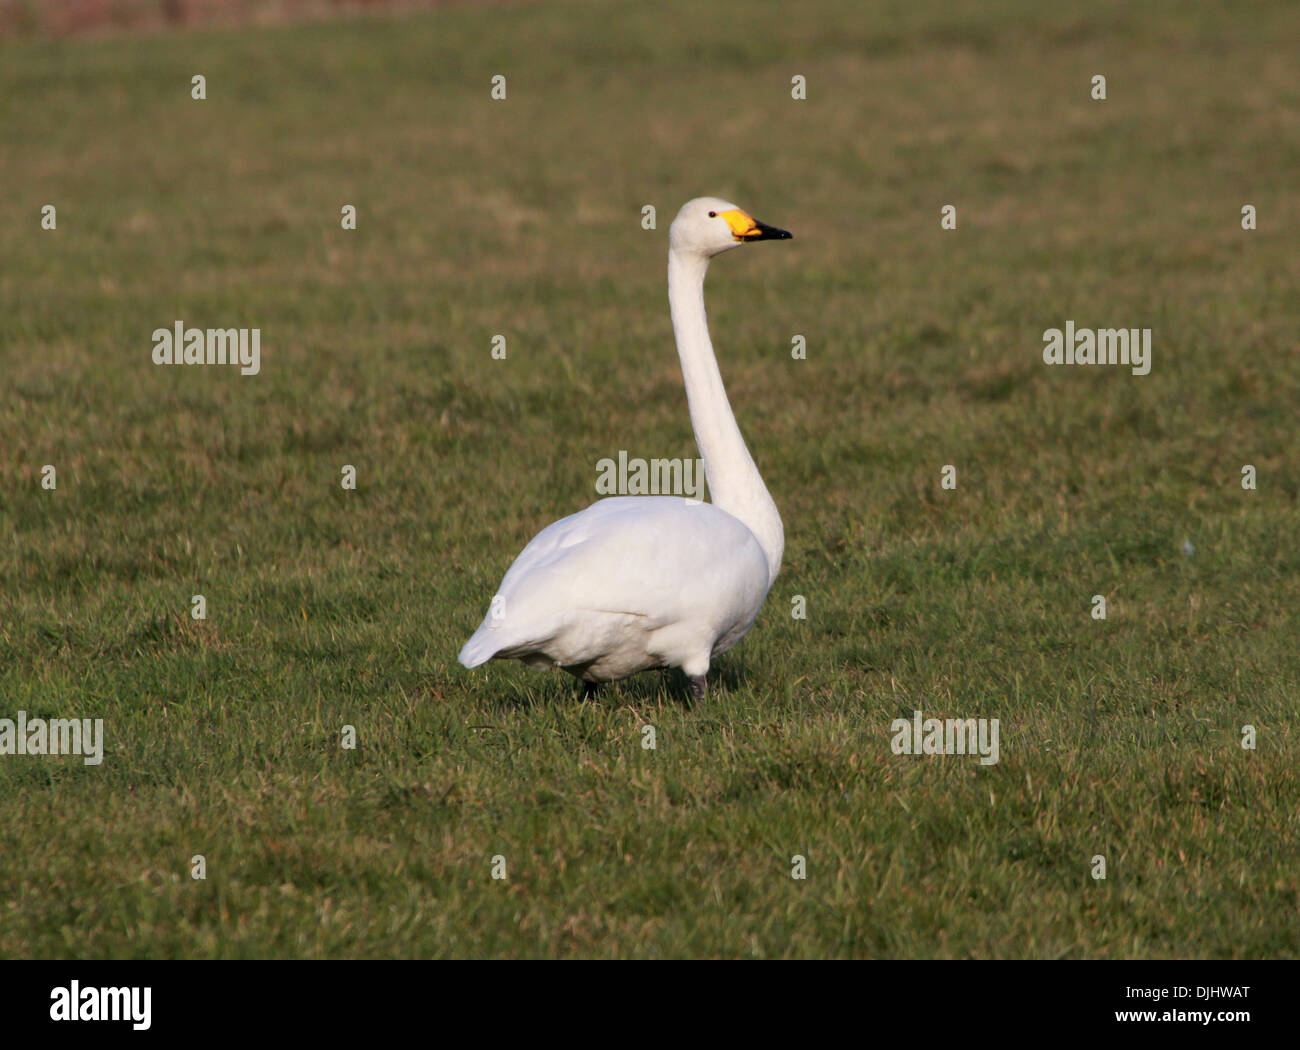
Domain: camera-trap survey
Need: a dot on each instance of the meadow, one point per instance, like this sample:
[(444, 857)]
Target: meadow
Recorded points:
[(476, 217)]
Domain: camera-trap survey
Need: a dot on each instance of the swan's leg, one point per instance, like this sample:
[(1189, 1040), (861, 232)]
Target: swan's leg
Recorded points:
[(589, 689), (699, 686)]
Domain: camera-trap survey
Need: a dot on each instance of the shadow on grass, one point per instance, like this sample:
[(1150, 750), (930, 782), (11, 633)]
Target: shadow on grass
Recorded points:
[(667, 684)]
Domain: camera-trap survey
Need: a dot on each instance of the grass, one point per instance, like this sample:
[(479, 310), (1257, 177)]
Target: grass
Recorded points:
[(329, 608)]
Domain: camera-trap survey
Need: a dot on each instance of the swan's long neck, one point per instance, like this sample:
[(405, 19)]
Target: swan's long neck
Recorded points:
[(734, 481)]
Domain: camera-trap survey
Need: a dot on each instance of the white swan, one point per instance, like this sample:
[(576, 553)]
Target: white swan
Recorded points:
[(638, 582)]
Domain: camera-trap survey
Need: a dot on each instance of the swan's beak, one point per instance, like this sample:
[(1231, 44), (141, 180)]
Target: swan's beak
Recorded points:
[(764, 232), (745, 227)]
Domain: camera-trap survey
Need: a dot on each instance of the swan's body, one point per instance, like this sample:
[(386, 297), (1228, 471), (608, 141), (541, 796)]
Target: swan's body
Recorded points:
[(638, 582), (601, 592)]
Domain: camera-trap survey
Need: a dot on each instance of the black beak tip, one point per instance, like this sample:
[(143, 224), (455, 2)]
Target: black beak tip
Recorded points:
[(772, 233)]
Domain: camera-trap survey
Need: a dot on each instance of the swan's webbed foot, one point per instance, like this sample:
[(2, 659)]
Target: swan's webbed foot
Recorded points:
[(699, 686)]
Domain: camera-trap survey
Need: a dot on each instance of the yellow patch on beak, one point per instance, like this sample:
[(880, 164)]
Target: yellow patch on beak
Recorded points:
[(743, 226)]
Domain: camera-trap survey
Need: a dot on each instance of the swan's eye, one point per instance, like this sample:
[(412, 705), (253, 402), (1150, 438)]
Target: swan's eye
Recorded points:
[(713, 215)]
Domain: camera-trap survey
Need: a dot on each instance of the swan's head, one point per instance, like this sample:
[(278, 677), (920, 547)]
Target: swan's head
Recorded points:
[(709, 226)]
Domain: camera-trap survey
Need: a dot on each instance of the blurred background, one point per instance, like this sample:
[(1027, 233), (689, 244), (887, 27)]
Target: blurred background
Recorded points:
[(68, 17)]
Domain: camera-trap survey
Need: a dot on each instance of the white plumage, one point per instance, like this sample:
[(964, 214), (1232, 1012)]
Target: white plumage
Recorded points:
[(638, 582)]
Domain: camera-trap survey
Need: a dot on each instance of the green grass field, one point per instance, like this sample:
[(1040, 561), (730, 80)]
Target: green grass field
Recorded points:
[(476, 217)]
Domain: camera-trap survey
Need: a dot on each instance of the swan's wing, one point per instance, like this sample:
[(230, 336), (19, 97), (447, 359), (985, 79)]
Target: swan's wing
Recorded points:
[(661, 560)]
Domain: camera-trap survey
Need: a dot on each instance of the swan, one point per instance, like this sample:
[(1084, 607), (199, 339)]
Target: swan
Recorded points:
[(640, 582)]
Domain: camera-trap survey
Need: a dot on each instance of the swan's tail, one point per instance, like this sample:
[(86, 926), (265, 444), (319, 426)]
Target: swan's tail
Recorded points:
[(480, 648)]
